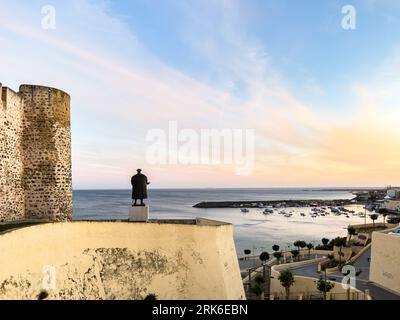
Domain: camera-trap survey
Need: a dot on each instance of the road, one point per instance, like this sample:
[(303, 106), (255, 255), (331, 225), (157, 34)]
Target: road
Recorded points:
[(245, 265), (362, 280)]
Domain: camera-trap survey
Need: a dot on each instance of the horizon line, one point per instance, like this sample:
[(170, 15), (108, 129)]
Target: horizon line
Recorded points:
[(232, 188)]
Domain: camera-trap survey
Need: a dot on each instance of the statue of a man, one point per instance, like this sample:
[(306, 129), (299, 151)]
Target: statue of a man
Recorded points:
[(139, 187)]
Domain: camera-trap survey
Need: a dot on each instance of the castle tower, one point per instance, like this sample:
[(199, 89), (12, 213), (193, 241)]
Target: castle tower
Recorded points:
[(12, 193), (46, 146)]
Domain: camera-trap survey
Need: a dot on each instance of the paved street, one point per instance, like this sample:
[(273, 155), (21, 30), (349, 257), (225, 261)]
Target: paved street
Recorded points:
[(362, 281), (255, 261)]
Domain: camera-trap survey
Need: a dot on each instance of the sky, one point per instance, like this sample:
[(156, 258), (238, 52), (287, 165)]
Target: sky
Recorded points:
[(322, 100)]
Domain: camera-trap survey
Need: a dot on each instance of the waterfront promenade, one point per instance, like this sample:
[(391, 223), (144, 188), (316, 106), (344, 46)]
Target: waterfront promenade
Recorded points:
[(362, 280)]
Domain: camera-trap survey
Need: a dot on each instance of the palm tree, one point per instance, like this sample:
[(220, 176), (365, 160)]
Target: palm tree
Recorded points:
[(352, 232), (303, 244), (264, 256), (278, 255), (286, 279), (373, 218), (259, 287), (247, 252), (275, 247), (295, 253), (340, 242), (325, 241), (297, 244), (300, 244), (310, 246), (258, 290), (259, 280), (324, 286)]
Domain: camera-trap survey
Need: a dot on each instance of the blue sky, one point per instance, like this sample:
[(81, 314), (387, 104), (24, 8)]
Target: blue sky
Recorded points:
[(303, 39), (319, 97)]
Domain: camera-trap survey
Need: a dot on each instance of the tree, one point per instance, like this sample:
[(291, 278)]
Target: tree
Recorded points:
[(300, 244), (373, 218), (324, 286), (264, 256), (310, 246), (286, 279), (259, 280), (278, 255), (352, 232), (303, 244), (247, 252), (297, 244), (325, 241), (275, 247), (340, 242), (295, 253), (258, 289)]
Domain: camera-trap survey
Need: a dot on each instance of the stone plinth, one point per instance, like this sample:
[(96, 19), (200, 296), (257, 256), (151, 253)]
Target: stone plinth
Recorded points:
[(139, 213)]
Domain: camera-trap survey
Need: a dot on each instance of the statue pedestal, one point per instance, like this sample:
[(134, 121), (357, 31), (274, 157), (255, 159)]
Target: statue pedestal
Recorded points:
[(139, 214)]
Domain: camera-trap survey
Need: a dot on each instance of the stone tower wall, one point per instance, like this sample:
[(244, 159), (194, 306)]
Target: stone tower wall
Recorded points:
[(35, 154), (46, 142), (12, 194)]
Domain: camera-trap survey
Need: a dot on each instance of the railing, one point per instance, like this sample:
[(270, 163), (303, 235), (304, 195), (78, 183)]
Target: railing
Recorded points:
[(297, 296), (317, 295)]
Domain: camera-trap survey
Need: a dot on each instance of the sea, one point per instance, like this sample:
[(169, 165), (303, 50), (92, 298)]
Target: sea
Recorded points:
[(252, 230)]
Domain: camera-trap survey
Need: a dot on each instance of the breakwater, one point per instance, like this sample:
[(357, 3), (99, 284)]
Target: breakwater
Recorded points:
[(275, 203)]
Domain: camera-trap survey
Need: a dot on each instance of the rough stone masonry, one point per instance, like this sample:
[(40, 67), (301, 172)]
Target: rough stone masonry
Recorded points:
[(35, 154)]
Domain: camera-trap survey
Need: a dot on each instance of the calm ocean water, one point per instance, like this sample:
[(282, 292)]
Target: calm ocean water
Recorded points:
[(252, 230)]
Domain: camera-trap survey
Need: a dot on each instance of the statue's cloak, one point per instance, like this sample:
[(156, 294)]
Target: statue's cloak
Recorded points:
[(139, 186)]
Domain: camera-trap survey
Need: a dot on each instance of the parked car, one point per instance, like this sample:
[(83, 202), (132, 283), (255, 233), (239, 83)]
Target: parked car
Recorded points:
[(395, 232)]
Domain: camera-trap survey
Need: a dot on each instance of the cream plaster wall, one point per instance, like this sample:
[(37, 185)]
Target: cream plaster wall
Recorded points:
[(385, 261), (121, 260)]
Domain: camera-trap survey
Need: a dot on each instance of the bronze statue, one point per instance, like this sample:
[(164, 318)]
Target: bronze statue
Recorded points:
[(139, 187)]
